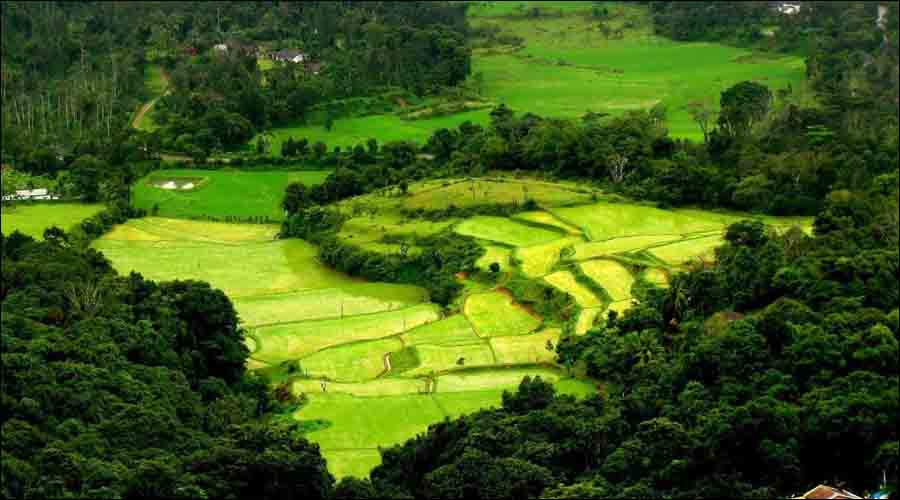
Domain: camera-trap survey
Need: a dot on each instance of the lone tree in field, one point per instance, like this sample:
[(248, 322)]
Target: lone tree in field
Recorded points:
[(618, 167), (743, 107), (703, 115)]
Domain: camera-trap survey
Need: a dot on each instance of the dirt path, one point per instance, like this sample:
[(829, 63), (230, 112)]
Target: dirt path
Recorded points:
[(139, 117), (387, 363)]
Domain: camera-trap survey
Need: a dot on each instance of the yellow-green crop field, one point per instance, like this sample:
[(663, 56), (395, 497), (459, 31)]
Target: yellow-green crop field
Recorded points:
[(33, 219)]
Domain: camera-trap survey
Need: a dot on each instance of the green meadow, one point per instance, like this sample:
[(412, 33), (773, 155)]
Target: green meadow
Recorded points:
[(33, 219), (567, 67), (219, 194)]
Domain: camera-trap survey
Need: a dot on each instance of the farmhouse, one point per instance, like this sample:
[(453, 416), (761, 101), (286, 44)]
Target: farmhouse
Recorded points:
[(31, 195), (289, 55), (823, 491), (787, 8)]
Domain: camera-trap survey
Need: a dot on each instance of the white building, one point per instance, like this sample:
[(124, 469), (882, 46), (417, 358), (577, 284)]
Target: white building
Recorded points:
[(31, 195)]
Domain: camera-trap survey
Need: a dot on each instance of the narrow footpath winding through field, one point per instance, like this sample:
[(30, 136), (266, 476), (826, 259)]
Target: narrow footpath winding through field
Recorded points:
[(139, 117)]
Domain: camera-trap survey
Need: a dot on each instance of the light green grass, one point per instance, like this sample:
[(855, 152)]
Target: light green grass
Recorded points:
[(350, 300), (221, 193), (605, 221), (351, 463), (588, 318), (503, 230), (569, 67), (594, 249), (537, 261), (33, 220), (297, 340), (488, 192), (386, 386), (657, 277), (547, 219), (244, 270), (494, 379), (455, 330), (369, 423), (372, 228), (687, 251), (526, 349), (612, 276), (438, 359), (565, 281), (494, 254), (352, 362), (495, 314)]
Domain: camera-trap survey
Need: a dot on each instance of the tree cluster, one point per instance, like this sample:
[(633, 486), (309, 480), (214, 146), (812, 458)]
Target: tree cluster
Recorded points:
[(120, 387)]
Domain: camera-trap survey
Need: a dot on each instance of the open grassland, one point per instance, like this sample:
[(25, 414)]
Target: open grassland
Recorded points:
[(34, 219), (565, 281), (507, 231), (219, 193), (612, 276), (537, 261), (495, 314), (569, 66)]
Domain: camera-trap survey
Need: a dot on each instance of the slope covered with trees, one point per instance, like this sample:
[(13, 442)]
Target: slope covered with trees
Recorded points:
[(120, 387)]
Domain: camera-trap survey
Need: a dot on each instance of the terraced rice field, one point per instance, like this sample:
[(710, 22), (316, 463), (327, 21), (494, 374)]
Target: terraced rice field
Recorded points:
[(495, 314), (505, 231), (565, 281), (537, 261), (391, 364), (33, 220), (612, 276), (463, 193)]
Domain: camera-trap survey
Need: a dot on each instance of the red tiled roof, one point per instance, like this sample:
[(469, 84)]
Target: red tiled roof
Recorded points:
[(827, 492)]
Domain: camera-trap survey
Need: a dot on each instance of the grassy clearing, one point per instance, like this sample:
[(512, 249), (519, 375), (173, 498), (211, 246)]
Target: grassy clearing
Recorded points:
[(594, 249), (568, 66), (297, 340), (486, 191), (220, 193), (494, 379), (565, 281), (547, 219), (32, 220), (351, 363), (352, 463), (503, 230), (538, 261), (527, 349), (494, 314), (612, 276), (686, 251)]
